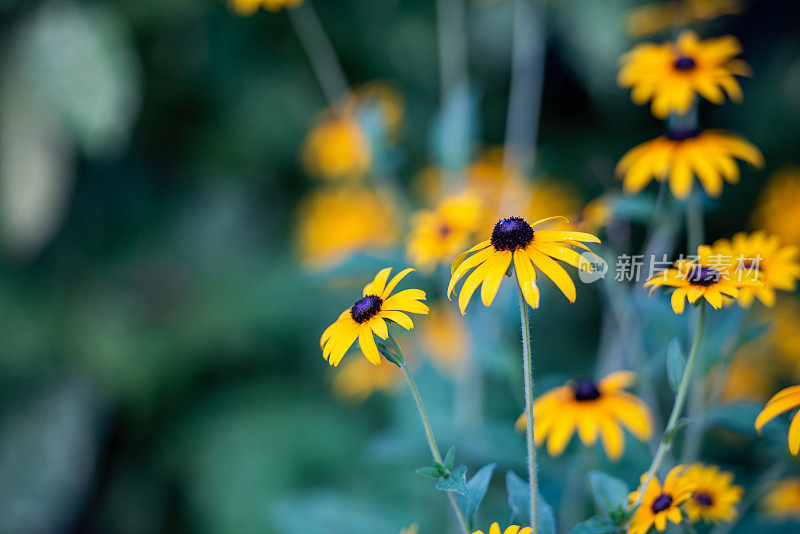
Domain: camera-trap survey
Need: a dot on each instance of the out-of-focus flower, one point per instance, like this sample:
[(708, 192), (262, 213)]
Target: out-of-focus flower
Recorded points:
[(714, 495), (594, 409), (660, 503), (548, 196), (445, 337), (782, 501), (413, 529), (658, 17), (785, 336), (357, 379), (783, 401), (498, 182), (746, 379), (669, 75), (438, 235), (377, 97), (514, 239), (513, 529), (776, 267), (704, 277), (595, 215), (679, 156), (368, 316), (778, 210), (334, 223), (337, 148), (248, 7)]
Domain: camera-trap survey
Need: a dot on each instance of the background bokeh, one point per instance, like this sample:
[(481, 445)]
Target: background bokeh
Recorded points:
[(159, 360)]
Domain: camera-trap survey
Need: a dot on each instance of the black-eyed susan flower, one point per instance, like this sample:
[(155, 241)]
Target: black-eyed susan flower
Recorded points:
[(783, 401), (782, 500), (778, 209), (368, 316), (669, 75), (705, 277), (658, 17), (777, 266), (337, 147), (513, 239), (714, 495), (248, 7), (660, 503), (438, 235), (513, 529), (357, 379), (680, 156), (334, 223), (593, 409)]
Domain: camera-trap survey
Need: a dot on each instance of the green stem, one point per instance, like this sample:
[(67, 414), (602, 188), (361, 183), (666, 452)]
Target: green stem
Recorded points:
[(426, 423), (528, 378), (680, 400)]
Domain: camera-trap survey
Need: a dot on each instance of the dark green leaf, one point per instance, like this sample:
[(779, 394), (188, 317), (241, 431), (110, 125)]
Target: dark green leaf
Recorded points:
[(610, 493), (429, 471), (477, 490), (595, 525), (676, 363), (457, 481), (450, 458), (519, 497)]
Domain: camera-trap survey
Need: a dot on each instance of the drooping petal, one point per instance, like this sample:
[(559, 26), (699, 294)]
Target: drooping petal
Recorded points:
[(554, 272), (367, 344)]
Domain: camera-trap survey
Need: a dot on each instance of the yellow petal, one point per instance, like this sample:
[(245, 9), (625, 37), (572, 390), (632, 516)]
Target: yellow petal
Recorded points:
[(498, 265), (460, 257), (554, 271), (376, 286), (396, 280), (367, 344)]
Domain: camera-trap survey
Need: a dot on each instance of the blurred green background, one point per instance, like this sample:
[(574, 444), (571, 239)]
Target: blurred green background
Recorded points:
[(159, 359)]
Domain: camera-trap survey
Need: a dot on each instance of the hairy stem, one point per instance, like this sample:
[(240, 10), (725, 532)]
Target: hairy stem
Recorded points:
[(528, 378)]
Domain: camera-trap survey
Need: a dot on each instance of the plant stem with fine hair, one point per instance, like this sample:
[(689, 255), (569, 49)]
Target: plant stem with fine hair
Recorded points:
[(528, 378), (677, 408), (426, 423)]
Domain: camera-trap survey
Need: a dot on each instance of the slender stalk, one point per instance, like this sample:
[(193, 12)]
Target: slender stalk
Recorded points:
[(426, 423), (320, 52), (528, 378), (680, 400)]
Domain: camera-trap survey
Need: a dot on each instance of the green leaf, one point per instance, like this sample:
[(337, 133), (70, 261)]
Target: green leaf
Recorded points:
[(429, 471), (389, 355), (519, 498), (595, 525), (477, 486), (450, 458), (457, 481), (676, 363), (610, 493)]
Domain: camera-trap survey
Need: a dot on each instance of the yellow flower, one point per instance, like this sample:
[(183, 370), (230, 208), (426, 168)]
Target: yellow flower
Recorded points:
[(438, 235), (514, 239), (594, 409), (785, 336), (337, 148), (595, 215), (660, 503), (357, 379), (778, 210), (334, 223), (513, 529), (413, 529), (679, 156), (377, 97), (782, 501), (445, 337), (548, 197), (783, 401), (777, 266), (714, 496), (746, 379), (707, 276), (248, 7), (670, 75), (369, 315), (655, 18)]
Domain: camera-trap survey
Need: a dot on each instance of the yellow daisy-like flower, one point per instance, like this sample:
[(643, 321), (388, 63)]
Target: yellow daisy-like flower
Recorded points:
[(655, 18), (513, 239), (595, 215), (777, 266), (782, 501), (548, 196), (670, 75), (778, 210), (438, 235), (337, 148), (445, 337), (679, 156), (660, 503), (714, 495), (248, 7), (594, 409), (369, 315), (513, 529), (704, 277), (746, 379), (783, 401), (335, 223), (357, 379)]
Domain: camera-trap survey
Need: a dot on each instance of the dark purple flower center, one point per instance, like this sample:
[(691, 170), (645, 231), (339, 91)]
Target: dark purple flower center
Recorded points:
[(366, 308), (511, 234), (585, 390), (661, 503), (684, 63), (703, 498), (682, 135), (702, 276)]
